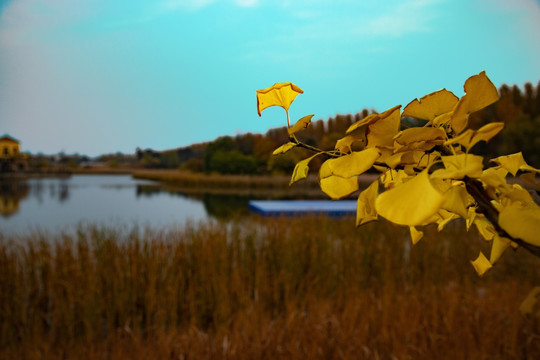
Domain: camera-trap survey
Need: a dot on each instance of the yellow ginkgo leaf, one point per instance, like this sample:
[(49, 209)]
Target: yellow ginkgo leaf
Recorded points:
[(500, 244), (391, 178), (485, 228), (470, 137), (494, 177), (530, 304), (529, 168), (513, 163), (365, 207), (301, 169), (405, 158), (411, 202), (371, 118), (431, 105), (337, 187), (353, 164), (428, 159), (521, 222), (443, 218), (300, 124), (459, 166), (419, 138), (284, 148), (516, 193), (343, 145), (481, 264), (456, 200), (479, 93), (279, 94), (382, 131), (416, 235), (442, 119), (471, 216)]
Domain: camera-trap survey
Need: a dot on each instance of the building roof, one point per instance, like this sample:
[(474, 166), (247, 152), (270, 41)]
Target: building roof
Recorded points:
[(6, 137)]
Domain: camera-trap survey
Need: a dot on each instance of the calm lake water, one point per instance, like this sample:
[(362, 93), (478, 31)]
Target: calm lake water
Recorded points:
[(56, 204)]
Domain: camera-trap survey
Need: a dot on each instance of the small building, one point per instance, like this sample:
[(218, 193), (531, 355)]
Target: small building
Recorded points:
[(11, 158), (9, 147)]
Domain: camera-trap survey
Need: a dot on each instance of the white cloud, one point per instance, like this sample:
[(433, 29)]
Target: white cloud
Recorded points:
[(246, 3), (186, 4), (172, 5), (411, 16)]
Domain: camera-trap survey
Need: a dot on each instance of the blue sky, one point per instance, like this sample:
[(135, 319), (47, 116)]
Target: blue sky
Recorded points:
[(101, 76)]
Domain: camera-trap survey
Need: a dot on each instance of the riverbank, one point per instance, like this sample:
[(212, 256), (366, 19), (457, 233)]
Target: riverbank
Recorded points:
[(190, 179)]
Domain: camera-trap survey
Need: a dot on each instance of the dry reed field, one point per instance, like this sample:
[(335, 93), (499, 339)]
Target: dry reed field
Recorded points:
[(262, 288), (193, 179)]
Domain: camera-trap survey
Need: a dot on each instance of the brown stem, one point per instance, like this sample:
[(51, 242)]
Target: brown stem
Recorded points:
[(293, 139), (477, 191)]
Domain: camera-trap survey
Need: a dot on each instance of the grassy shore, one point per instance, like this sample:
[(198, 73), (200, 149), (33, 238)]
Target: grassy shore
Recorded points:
[(304, 288), (192, 179), (238, 184)]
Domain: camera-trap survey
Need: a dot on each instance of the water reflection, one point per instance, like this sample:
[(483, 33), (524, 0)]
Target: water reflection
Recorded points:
[(220, 206), (53, 203), (57, 189), (11, 193)]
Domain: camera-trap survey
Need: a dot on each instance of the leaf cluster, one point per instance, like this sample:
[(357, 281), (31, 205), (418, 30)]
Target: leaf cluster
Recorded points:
[(427, 173)]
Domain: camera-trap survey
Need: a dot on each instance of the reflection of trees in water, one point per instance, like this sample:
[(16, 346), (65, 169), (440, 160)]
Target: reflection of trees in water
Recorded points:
[(225, 206), (217, 205), (58, 190), (151, 190), (11, 192), (63, 193)]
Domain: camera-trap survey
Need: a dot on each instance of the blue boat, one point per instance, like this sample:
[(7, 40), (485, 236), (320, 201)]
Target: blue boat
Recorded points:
[(297, 207)]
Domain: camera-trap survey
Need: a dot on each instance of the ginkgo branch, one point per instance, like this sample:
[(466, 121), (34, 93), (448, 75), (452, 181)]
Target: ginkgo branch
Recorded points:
[(476, 190)]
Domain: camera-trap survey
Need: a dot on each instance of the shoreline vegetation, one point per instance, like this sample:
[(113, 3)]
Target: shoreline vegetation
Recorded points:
[(201, 183), (262, 288)]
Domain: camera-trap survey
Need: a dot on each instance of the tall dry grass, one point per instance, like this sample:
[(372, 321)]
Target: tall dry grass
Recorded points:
[(309, 288)]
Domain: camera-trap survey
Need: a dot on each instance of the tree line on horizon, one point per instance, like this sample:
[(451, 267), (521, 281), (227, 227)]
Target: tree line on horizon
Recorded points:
[(518, 108)]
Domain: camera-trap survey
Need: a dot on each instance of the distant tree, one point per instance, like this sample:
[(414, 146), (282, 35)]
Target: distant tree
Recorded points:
[(169, 160), (233, 162), (220, 145)]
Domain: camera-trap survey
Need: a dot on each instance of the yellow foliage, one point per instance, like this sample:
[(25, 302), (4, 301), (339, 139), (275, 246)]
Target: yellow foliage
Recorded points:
[(513, 163), (481, 264), (337, 187), (521, 222), (530, 304), (500, 244), (284, 148), (471, 137), (301, 170), (279, 94), (353, 164), (422, 187), (424, 138), (410, 203), (485, 228), (456, 200), (459, 166), (300, 124), (343, 145), (416, 235), (479, 93), (432, 105), (365, 208)]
